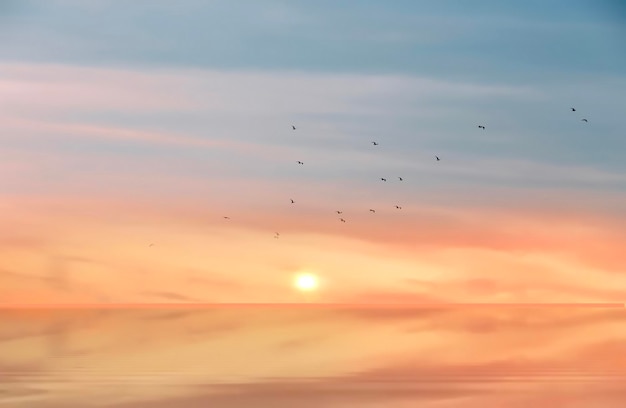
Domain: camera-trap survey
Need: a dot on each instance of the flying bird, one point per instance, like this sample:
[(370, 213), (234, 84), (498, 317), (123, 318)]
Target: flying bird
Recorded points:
[(372, 210), (339, 212), (342, 220), (293, 127), (227, 218), (573, 110), (383, 179), (277, 235), (584, 120), (437, 157), (292, 202), (398, 207), (299, 162), (481, 127), (375, 144), (151, 245), (400, 178)]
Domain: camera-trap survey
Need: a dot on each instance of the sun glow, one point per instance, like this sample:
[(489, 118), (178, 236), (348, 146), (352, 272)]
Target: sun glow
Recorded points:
[(306, 282)]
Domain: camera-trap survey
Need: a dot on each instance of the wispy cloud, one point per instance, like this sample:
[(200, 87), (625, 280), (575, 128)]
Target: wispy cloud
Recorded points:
[(549, 257), (251, 113), (49, 88)]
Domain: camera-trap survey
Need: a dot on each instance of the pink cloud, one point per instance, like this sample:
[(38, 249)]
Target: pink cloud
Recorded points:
[(57, 88), (64, 130)]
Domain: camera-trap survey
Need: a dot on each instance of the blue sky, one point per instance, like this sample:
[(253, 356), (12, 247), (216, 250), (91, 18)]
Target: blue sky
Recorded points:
[(486, 40), (574, 48), (552, 55)]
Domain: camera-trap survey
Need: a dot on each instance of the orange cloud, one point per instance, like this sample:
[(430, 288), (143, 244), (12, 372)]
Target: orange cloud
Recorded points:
[(419, 255)]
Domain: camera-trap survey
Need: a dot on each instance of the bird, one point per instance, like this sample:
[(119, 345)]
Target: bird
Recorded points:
[(293, 127), (372, 210), (437, 157), (151, 245), (383, 179), (339, 212), (277, 235), (584, 120), (299, 162), (342, 220), (481, 127), (400, 178), (292, 202), (573, 109), (398, 207), (375, 143), (227, 218)]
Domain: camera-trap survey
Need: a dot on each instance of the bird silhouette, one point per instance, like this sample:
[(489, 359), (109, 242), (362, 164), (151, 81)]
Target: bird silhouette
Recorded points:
[(227, 218), (151, 245), (299, 162), (573, 110), (400, 178), (398, 207), (277, 235), (383, 179), (342, 220), (372, 210), (292, 202), (481, 127), (293, 127), (584, 120), (375, 144), (437, 157), (339, 212)]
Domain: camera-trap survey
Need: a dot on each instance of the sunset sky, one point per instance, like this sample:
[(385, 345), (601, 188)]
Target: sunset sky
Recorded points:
[(130, 129), (131, 123)]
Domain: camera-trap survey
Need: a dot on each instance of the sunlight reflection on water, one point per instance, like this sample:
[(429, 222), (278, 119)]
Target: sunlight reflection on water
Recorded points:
[(313, 357)]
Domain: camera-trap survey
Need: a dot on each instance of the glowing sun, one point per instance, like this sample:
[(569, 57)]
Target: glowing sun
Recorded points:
[(306, 282)]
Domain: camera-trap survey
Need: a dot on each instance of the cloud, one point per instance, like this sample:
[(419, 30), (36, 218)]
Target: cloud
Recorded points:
[(476, 42), (52, 91), (548, 258), (70, 88), (223, 154), (487, 287), (248, 114), (171, 296)]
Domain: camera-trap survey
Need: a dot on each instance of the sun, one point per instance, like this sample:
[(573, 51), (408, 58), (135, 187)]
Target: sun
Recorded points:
[(306, 282)]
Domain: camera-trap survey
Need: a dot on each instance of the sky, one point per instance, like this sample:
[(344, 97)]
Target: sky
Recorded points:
[(131, 129)]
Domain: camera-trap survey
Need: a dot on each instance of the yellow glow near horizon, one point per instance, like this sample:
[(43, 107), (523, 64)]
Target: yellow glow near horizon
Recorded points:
[(306, 282)]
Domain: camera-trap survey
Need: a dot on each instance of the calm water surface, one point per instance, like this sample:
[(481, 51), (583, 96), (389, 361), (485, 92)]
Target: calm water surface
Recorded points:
[(236, 357)]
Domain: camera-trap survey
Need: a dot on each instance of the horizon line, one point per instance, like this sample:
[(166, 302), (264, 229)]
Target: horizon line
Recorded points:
[(299, 304)]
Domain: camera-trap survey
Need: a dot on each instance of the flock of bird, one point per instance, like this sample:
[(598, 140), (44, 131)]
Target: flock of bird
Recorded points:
[(341, 219), (373, 211)]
